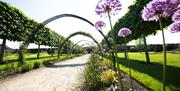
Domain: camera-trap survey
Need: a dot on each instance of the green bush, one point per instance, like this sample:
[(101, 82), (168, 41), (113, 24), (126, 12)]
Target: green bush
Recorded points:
[(108, 77), (26, 67), (36, 65), (91, 72), (104, 65), (98, 74)]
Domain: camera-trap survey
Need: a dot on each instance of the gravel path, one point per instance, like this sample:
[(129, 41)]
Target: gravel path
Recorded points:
[(63, 76)]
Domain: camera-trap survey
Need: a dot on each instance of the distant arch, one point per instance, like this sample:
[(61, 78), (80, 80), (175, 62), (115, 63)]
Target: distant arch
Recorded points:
[(74, 34), (82, 41)]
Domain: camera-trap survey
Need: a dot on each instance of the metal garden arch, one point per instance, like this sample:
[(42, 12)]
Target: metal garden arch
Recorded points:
[(27, 41)]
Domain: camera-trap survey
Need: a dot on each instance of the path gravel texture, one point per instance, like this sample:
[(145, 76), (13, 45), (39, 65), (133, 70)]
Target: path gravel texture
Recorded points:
[(62, 76)]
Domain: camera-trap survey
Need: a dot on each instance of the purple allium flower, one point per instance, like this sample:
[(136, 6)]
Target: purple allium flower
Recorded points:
[(105, 46), (99, 25), (110, 40), (123, 32), (177, 2), (174, 27), (102, 50), (176, 16), (164, 8), (108, 6)]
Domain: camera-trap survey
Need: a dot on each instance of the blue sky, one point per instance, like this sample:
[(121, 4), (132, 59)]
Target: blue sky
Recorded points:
[(41, 10)]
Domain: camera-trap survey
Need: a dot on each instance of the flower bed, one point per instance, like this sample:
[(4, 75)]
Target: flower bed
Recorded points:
[(100, 75)]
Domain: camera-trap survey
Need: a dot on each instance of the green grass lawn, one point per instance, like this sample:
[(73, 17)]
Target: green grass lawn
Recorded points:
[(14, 56), (150, 75), (11, 64)]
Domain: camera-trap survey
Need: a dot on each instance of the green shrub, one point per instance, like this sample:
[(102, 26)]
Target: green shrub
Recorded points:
[(104, 64), (91, 72), (26, 67), (98, 74), (36, 65), (108, 77)]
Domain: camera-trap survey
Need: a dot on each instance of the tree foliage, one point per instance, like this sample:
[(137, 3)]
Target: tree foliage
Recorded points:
[(15, 26), (134, 22)]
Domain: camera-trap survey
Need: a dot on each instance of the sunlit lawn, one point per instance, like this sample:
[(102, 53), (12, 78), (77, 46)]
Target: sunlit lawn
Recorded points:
[(12, 59), (151, 74), (14, 56)]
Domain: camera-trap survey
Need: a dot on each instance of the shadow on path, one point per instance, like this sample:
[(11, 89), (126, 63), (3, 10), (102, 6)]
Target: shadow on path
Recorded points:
[(64, 65)]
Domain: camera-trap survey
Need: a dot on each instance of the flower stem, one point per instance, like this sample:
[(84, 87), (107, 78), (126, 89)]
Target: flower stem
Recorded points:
[(114, 46), (110, 20), (120, 76), (131, 82), (164, 51), (112, 53), (115, 57)]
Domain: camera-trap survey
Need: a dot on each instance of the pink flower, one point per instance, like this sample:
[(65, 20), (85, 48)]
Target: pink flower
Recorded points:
[(110, 40), (105, 46), (174, 27), (103, 50), (177, 2), (123, 32), (164, 8), (108, 6), (176, 16), (99, 25)]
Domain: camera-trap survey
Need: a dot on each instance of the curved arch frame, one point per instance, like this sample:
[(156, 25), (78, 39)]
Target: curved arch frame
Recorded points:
[(26, 43), (82, 46), (82, 41), (74, 34), (89, 42)]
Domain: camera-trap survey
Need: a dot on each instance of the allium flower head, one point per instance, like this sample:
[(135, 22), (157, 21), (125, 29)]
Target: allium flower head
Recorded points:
[(123, 32), (176, 16), (175, 1), (110, 39), (102, 50), (174, 27), (105, 46), (108, 6), (99, 25), (164, 8)]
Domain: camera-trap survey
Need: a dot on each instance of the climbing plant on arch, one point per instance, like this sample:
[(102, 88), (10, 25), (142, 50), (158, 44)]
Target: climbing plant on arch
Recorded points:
[(74, 34), (89, 48), (83, 46), (83, 41), (89, 42)]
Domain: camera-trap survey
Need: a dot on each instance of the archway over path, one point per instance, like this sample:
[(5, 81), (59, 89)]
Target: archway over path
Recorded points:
[(82, 41), (89, 43), (26, 43), (74, 34)]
